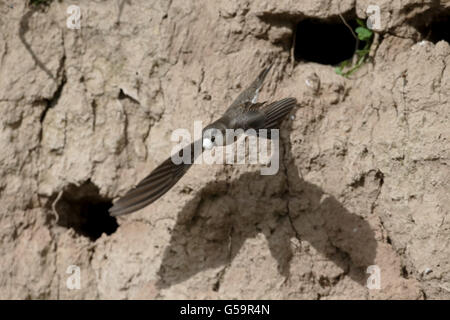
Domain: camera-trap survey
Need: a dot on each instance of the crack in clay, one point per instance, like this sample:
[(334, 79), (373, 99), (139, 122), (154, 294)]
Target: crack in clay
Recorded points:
[(123, 141), (221, 274), (50, 103), (161, 89), (441, 77), (405, 110), (380, 176), (120, 9), (94, 114), (5, 52), (58, 278), (287, 145), (124, 95), (155, 119), (61, 73), (202, 78)]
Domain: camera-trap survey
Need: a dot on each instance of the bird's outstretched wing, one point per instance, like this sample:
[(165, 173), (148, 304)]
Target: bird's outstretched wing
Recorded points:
[(263, 115), (275, 112), (157, 183), (251, 93)]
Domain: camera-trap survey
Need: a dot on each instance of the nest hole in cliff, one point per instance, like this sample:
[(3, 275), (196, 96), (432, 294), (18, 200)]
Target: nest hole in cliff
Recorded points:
[(325, 41), (433, 26), (83, 209)]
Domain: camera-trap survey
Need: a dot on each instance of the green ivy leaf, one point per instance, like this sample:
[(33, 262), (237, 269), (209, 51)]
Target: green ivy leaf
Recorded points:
[(346, 68), (361, 23), (338, 70), (364, 34), (362, 52)]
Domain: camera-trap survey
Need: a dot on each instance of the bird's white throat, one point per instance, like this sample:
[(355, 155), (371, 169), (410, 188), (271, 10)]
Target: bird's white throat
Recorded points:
[(207, 144)]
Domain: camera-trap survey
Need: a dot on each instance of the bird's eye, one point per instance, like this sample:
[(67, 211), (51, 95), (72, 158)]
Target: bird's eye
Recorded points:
[(213, 138)]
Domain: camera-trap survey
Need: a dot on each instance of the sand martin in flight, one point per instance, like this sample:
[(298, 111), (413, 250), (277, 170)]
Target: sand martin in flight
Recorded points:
[(244, 113)]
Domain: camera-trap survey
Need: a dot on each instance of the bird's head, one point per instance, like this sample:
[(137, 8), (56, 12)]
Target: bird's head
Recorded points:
[(213, 135)]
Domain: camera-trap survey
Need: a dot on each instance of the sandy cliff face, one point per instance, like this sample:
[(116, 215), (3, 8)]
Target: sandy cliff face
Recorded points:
[(364, 176)]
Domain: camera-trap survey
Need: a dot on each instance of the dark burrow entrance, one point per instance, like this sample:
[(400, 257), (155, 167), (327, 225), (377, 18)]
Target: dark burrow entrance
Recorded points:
[(434, 27), (324, 41), (83, 209)]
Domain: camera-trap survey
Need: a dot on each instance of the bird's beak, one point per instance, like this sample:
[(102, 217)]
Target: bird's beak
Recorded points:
[(207, 144)]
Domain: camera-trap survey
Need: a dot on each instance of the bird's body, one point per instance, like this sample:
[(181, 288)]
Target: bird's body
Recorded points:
[(244, 113)]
